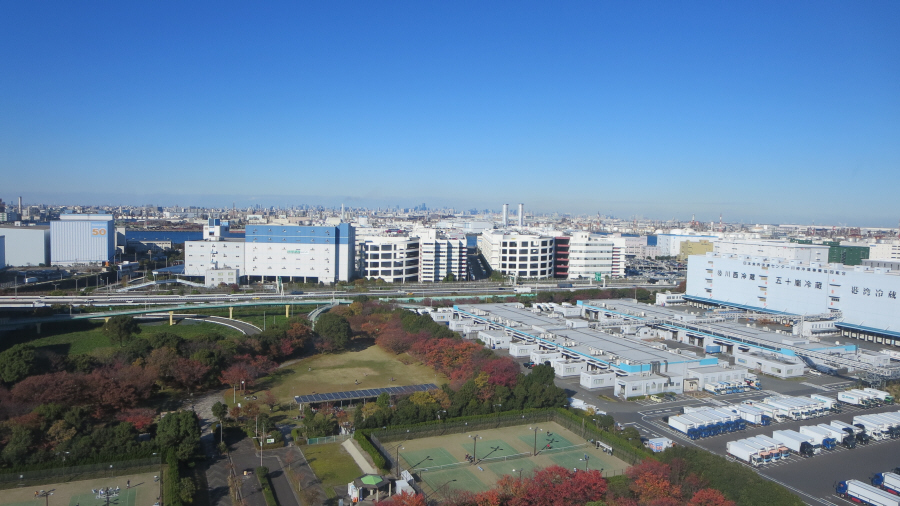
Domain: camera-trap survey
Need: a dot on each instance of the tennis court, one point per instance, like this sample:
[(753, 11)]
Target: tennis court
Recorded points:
[(441, 461), (143, 492)]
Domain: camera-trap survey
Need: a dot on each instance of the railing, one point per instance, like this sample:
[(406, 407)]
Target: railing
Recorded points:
[(72, 473), (328, 439)]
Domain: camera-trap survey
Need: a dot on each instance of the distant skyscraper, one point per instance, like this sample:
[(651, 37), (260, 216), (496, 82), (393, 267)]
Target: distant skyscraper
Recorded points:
[(521, 215)]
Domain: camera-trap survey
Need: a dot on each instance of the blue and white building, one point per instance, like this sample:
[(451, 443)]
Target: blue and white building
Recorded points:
[(82, 239), (267, 252)]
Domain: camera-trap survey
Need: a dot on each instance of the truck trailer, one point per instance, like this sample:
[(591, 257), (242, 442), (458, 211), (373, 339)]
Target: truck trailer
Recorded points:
[(858, 433), (799, 443), (753, 415), (853, 399), (745, 453), (889, 482), (844, 438), (783, 450), (858, 491), (820, 436), (830, 403), (885, 397)]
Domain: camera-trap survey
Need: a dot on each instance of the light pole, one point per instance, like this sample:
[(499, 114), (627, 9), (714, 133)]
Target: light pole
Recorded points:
[(234, 394), (399, 447), (520, 473), (535, 429), (475, 449), (586, 459)]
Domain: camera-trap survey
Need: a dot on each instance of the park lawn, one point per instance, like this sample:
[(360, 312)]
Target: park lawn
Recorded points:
[(78, 337), (332, 464), (371, 366)]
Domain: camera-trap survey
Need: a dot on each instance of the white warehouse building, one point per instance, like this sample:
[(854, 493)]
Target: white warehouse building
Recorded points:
[(591, 254), (82, 239), (867, 297), (26, 246)]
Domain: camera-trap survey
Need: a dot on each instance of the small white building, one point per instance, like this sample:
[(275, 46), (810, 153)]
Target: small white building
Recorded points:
[(216, 277), (716, 374), (541, 356), (768, 363), (494, 339), (669, 298), (597, 379), (567, 368), (648, 384), (521, 349), (873, 358)]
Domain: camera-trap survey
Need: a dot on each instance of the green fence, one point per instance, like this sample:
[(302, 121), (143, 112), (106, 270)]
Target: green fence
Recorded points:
[(75, 473)]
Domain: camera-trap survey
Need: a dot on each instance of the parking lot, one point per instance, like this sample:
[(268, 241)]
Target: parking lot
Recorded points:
[(813, 478)]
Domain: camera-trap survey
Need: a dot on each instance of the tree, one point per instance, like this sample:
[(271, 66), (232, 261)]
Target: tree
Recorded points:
[(179, 431), (269, 399), (189, 373), (220, 411), (121, 328), (404, 499), (16, 363), (709, 497), (140, 418), (334, 331)]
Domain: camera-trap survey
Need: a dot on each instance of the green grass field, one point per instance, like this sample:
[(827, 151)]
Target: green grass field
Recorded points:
[(143, 492), (440, 461), (371, 366), (332, 465), (77, 337)]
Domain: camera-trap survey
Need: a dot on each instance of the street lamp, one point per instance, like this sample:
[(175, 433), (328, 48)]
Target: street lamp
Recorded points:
[(399, 447), (586, 459)]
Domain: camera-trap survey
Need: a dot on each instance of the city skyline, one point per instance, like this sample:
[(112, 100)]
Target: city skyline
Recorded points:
[(764, 113)]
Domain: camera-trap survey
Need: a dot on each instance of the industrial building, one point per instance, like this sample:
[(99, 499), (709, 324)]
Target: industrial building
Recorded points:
[(319, 254), (590, 255), (82, 239), (26, 246), (576, 347), (669, 245), (865, 297), (773, 249)]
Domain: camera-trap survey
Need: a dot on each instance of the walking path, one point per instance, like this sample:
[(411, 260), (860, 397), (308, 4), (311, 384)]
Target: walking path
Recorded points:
[(358, 457)]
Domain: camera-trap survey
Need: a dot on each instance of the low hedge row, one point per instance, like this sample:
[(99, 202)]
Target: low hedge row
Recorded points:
[(262, 474), (362, 436)]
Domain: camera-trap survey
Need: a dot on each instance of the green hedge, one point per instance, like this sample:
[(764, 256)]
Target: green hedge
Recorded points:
[(171, 482), (262, 474), (362, 436)]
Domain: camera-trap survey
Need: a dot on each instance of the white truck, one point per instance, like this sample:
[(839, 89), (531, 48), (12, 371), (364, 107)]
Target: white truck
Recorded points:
[(874, 400), (859, 434), (829, 402), (786, 408), (848, 440), (858, 491), (887, 481), (820, 436), (753, 415), (783, 450), (876, 429), (773, 412), (802, 445), (885, 397), (748, 454), (767, 451), (854, 399)]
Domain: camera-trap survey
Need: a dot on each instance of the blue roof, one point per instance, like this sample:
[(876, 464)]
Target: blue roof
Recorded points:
[(175, 269), (739, 306), (871, 330)]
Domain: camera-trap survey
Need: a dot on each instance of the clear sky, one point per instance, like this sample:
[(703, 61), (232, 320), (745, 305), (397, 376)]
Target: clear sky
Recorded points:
[(762, 111)]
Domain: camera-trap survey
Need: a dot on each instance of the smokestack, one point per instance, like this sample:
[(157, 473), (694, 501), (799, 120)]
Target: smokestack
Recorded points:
[(521, 215), (505, 215), (20, 207)]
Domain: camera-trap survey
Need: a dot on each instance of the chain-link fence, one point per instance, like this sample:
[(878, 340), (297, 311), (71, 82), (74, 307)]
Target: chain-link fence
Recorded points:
[(75, 473)]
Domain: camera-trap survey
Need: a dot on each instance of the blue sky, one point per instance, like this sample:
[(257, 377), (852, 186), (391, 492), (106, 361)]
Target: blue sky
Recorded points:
[(762, 111)]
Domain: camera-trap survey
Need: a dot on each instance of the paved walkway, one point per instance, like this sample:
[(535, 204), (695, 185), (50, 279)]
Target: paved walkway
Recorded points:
[(356, 453)]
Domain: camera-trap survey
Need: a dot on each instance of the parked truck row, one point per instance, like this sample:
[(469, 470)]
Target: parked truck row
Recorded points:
[(865, 398), (860, 492), (699, 423)]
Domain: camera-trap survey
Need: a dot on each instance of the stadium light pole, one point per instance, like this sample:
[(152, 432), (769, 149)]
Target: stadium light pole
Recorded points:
[(399, 447), (475, 449), (535, 429)]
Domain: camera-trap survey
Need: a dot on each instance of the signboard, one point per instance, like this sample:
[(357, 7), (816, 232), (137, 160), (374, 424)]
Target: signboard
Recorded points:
[(98, 228), (270, 440)]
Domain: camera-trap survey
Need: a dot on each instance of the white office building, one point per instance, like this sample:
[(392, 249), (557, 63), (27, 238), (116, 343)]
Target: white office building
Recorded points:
[(591, 254), (82, 239), (882, 250), (441, 255), (521, 255), (391, 257), (26, 246)]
